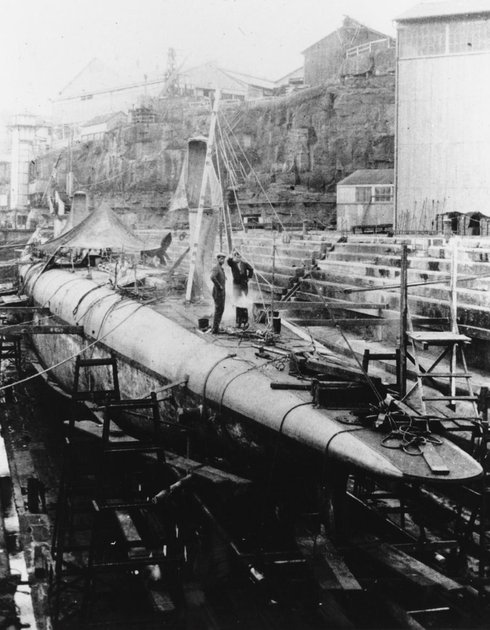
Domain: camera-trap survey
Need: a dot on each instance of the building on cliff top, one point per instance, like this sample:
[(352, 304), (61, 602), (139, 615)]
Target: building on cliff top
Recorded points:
[(352, 49), (202, 80), (442, 123), (96, 128), (291, 81), (365, 201), (97, 90)]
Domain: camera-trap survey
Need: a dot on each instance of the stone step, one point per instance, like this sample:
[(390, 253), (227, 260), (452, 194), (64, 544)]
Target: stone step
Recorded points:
[(417, 274), (473, 254), (264, 258), (251, 251), (475, 315)]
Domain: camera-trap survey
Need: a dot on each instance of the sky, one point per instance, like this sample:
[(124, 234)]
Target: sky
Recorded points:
[(45, 43)]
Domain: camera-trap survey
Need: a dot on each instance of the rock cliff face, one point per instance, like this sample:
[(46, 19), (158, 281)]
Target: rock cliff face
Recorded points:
[(299, 147), (325, 133)]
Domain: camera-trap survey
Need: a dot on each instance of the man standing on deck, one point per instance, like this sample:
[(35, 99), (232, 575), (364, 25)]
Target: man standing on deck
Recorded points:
[(242, 272), (218, 278)]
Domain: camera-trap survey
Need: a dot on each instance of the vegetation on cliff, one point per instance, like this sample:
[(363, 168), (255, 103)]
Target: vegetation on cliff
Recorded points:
[(303, 143)]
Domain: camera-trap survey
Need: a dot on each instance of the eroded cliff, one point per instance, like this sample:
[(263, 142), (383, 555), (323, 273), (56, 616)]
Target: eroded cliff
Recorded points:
[(299, 146)]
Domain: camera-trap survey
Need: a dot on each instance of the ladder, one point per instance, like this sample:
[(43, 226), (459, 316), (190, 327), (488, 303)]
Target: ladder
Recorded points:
[(11, 350), (98, 396), (77, 479), (131, 528), (448, 363)]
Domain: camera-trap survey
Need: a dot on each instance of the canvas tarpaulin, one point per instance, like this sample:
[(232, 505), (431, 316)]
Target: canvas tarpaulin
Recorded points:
[(102, 229)]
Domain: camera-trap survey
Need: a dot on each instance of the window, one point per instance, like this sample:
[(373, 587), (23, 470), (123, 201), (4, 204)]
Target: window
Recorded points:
[(383, 193), (363, 194), (86, 97)]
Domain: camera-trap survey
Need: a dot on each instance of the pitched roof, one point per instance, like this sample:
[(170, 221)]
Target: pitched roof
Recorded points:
[(94, 77), (448, 8), (348, 22), (248, 79), (209, 75), (299, 73), (369, 177), (102, 229)]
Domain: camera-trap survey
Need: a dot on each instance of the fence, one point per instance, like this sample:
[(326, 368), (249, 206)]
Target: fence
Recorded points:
[(376, 44)]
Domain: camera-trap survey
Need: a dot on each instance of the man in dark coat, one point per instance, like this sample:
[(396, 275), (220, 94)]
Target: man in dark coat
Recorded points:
[(218, 278), (242, 272)]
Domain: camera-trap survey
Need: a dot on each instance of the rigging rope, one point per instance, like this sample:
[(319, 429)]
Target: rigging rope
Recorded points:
[(73, 356), (256, 177)]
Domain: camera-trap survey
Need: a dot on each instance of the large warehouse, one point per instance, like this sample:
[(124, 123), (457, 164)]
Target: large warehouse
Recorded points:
[(443, 122)]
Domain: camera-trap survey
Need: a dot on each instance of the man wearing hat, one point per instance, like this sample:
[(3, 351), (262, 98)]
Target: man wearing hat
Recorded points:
[(218, 278), (242, 272)]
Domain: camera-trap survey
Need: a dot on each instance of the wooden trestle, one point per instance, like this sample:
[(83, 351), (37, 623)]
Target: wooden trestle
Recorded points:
[(111, 480)]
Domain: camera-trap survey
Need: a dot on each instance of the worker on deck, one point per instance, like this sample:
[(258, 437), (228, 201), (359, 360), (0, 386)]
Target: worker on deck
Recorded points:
[(242, 272), (218, 278)]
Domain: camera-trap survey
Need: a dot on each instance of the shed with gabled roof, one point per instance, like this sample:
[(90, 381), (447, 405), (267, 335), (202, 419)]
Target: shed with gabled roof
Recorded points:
[(365, 201), (95, 128), (324, 59)]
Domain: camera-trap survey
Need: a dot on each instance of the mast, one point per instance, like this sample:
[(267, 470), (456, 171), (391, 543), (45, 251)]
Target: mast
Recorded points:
[(202, 197), (271, 321), (225, 212)]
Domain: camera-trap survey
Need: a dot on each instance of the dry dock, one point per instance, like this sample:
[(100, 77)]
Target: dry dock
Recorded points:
[(218, 550)]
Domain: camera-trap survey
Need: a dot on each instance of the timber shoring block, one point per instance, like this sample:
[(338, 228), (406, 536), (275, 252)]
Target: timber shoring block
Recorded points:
[(329, 567), (410, 569)]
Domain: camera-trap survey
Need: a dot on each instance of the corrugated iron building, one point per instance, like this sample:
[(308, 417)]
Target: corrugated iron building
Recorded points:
[(365, 201), (324, 59), (97, 90), (443, 121)]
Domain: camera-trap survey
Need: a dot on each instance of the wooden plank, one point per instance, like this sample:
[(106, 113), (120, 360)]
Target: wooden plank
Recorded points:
[(29, 310), (438, 337), (341, 570), (182, 464), (21, 329), (355, 306), (345, 322), (352, 321), (161, 600), (7, 288), (127, 526), (409, 568), (329, 568), (15, 299), (290, 385), (434, 460), (340, 304)]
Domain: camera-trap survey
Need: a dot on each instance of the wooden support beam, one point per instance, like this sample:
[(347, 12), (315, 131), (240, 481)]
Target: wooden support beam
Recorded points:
[(361, 321), (7, 288), (27, 310), (288, 385), (410, 569), (180, 463), (336, 304), (27, 329), (351, 321), (329, 567)]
